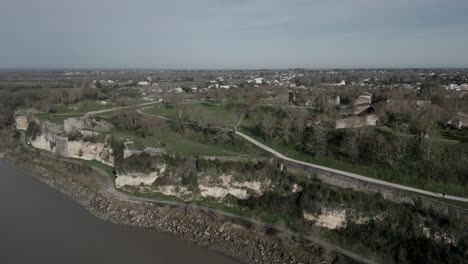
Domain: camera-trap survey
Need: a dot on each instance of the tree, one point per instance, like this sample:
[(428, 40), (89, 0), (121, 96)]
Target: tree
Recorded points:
[(316, 141), (351, 143), (6, 116), (239, 111), (178, 118), (98, 84), (268, 124), (424, 120), (218, 95), (285, 128)]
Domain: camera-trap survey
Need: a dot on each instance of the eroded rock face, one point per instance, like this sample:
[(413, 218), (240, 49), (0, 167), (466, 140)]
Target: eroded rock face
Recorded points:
[(331, 219), (71, 124), (173, 190), (74, 149), (439, 237), (220, 187), (90, 151), (21, 122), (139, 178)]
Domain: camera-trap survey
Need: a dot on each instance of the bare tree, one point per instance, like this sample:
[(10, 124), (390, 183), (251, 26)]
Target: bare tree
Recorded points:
[(351, 144), (285, 129), (239, 112), (316, 142), (218, 95), (175, 101), (268, 124), (425, 120)]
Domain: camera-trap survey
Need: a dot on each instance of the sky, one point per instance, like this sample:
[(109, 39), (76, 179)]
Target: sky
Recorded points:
[(233, 34)]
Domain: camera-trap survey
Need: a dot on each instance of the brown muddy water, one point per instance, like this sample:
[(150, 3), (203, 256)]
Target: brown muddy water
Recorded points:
[(41, 225)]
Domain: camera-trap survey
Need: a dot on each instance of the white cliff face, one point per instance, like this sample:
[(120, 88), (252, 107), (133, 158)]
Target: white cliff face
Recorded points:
[(42, 142), (139, 178), (331, 219), (296, 188), (75, 149), (21, 122), (221, 192), (90, 151), (228, 186), (439, 237), (173, 190)]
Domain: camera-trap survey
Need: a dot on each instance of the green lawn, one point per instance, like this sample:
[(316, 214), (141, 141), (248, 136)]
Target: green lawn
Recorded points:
[(159, 110), (83, 107), (54, 118), (108, 169), (452, 137), (190, 144), (214, 110)]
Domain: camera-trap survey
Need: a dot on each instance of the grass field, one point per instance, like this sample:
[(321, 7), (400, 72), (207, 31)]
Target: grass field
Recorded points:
[(54, 118), (190, 144), (212, 109)]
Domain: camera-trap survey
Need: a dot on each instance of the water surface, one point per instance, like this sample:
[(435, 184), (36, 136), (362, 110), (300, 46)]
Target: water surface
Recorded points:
[(40, 225)]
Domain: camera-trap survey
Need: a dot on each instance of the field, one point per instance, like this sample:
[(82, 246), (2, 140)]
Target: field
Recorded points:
[(189, 144)]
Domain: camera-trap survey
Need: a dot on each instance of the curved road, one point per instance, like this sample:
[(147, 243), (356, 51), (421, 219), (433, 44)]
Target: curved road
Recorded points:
[(352, 175), (93, 113)]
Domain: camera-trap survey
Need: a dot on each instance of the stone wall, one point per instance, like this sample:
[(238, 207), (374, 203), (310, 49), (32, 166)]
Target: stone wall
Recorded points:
[(21, 122), (80, 123), (52, 139), (357, 121), (388, 193)]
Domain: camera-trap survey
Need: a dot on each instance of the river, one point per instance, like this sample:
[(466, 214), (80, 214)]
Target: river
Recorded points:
[(41, 225)]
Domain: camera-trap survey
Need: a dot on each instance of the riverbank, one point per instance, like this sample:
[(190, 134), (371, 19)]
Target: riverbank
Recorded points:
[(233, 237)]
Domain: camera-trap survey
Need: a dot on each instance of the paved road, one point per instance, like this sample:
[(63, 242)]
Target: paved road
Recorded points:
[(93, 113), (352, 175), (108, 186)]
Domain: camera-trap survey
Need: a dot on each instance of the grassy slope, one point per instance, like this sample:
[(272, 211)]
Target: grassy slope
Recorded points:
[(366, 170), (189, 144)]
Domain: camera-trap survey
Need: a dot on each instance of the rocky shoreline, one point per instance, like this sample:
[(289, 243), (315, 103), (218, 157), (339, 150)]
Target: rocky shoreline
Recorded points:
[(241, 240)]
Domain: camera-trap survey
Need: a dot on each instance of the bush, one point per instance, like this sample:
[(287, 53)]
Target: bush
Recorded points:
[(33, 130)]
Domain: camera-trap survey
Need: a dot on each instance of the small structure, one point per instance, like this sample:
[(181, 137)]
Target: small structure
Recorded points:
[(460, 121), (143, 83), (357, 121), (362, 104), (333, 100), (22, 120), (258, 80)]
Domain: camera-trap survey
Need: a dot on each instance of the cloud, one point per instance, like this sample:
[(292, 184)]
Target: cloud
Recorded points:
[(231, 33)]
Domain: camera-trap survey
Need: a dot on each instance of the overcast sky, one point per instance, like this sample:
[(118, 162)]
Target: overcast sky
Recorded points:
[(233, 33)]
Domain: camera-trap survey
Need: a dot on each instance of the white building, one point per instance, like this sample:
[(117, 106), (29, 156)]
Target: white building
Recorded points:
[(258, 80), (143, 83)]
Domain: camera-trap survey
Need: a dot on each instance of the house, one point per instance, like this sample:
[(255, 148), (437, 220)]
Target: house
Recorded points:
[(356, 121), (363, 104), (143, 83), (334, 100), (460, 121), (258, 80), (224, 86)]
